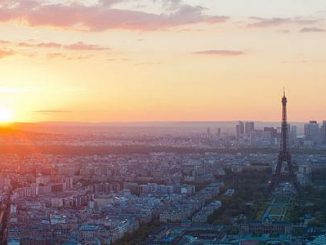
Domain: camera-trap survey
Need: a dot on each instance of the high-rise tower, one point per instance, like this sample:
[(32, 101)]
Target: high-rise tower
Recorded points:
[(285, 171)]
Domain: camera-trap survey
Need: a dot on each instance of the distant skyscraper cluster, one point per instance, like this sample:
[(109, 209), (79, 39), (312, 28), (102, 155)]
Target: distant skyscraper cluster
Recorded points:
[(247, 134), (244, 129), (314, 134)]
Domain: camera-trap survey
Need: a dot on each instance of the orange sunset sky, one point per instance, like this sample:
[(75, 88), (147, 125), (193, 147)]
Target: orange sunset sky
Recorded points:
[(161, 60)]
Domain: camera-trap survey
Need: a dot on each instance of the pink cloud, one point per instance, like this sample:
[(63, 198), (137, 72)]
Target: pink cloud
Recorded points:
[(49, 45), (101, 16), (81, 46), (5, 53), (84, 46), (56, 55), (40, 45), (221, 52), (54, 50)]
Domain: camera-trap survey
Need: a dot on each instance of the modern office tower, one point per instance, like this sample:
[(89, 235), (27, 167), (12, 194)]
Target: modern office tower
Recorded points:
[(312, 132), (209, 136), (219, 132), (249, 128), (208, 132), (237, 130), (323, 132), (293, 135), (273, 134), (240, 129)]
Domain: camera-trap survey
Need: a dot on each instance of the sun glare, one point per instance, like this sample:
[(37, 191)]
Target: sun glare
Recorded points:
[(6, 115)]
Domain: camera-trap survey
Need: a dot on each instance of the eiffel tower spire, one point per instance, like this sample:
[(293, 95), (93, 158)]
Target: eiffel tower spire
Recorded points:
[(284, 132)]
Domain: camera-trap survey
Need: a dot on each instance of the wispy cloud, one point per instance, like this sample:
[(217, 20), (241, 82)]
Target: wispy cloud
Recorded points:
[(5, 53), (284, 31), (55, 55), (102, 15), (148, 63), (84, 46), (312, 29), (118, 59), (220, 52), (51, 49), (272, 22), (80, 46), (52, 111), (39, 45)]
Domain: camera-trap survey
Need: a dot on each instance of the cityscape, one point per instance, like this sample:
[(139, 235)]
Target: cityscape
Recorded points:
[(162, 122), (154, 186)]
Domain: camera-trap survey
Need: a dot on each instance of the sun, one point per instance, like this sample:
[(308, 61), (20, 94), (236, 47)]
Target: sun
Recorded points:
[(6, 115)]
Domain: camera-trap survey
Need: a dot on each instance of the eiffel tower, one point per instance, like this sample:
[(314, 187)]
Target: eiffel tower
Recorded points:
[(284, 156)]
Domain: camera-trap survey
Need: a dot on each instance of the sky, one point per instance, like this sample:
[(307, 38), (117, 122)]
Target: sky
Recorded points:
[(162, 60)]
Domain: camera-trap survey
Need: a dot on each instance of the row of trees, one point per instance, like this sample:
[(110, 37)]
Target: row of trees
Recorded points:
[(311, 202), (251, 193)]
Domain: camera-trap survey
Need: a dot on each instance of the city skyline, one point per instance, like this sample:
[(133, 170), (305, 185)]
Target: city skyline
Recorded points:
[(165, 60), (143, 122)]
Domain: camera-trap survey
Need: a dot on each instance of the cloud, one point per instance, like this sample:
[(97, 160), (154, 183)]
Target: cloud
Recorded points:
[(5, 53), (84, 46), (312, 29), (40, 45), (170, 4), (221, 52), (52, 50), (52, 111), (78, 46), (101, 16), (300, 61), (271, 22), (74, 46), (148, 63), (118, 59), (55, 55)]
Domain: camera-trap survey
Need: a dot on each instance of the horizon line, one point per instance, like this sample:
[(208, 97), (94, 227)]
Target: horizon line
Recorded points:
[(154, 122)]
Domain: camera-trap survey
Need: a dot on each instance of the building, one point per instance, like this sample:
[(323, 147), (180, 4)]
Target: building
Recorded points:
[(293, 135), (284, 161), (273, 131), (249, 128), (323, 133), (240, 129), (261, 138), (259, 227), (304, 174), (219, 132), (312, 132)]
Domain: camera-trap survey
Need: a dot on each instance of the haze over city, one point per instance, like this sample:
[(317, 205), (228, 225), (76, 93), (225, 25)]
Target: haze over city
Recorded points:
[(164, 60)]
